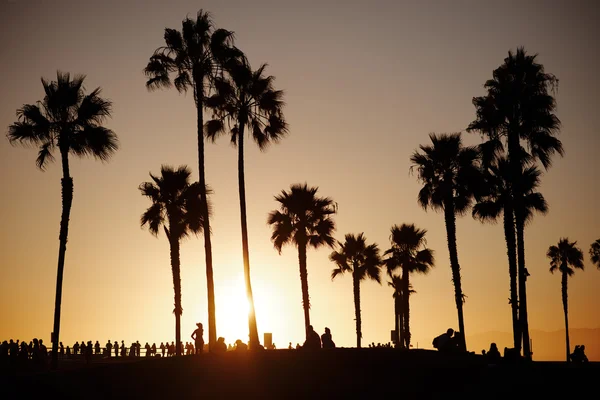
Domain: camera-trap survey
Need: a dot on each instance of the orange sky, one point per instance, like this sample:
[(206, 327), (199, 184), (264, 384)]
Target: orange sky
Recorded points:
[(364, 87)]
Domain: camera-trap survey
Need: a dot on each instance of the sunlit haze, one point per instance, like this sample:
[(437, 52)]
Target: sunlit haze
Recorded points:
[(365, 83)]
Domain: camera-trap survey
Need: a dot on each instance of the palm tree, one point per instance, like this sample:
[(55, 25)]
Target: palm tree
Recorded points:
[(519, 107), (595, 253), (363, 262), (408, 252), (247, 100), (71, 121), (177, 208), (194, 56), (450, 176), (498, 200), (562, 257), (303, 219), (398, 285)]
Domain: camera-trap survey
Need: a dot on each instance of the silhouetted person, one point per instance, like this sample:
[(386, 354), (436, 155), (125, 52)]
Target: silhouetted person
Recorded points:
[(197, 336), (240, 346), (153, 349), (578, 356), (162, 348), (62, 350), (493, 354), (97, 347), (138, 348), (76, 348), (313, 341), (109, 349), (290, 346), (326, 340), (444, 341), (123, 349), (68, 352), (87, 351), (116, 346), (220, 347), (456, 342)]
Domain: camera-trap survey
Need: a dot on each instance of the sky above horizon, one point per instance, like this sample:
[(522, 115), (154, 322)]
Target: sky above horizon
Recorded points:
[(365, 84)]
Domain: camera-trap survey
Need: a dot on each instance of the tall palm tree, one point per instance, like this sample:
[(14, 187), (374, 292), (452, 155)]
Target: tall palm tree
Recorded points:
[(450, 175), (518, 109), (363, 262), (177, 208), (246, 100), (499, 200), (71, 121), (408, 252), (595, 253), (194, 57), (563, 258), (303, 219), (398, 285)]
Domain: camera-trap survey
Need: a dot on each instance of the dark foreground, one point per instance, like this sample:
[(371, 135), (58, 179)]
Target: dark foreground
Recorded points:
[(282, 374)]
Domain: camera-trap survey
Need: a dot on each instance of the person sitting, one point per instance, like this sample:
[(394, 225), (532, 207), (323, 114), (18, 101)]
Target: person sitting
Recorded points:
[(313, 341), (326, 340), (240, 346), (578, 356), (493, 355), (444, 341), (220, 346)]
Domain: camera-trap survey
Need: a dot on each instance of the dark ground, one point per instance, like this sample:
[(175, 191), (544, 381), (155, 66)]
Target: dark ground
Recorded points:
[(282, 374)]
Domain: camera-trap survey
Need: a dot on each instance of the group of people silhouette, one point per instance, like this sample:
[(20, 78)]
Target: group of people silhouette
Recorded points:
[(17, 351), (449, 341), (313, 341)]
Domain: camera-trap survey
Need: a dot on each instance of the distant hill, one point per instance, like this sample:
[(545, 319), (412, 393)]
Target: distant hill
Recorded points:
[(547, 346)]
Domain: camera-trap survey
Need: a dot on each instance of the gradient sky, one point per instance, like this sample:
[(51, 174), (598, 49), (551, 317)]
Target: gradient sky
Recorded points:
[(365, 84)]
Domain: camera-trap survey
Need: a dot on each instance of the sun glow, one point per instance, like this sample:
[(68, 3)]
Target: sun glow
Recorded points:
[(232, 310)]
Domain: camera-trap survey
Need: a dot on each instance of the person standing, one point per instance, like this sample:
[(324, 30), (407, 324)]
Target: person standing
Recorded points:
[(197, 335)]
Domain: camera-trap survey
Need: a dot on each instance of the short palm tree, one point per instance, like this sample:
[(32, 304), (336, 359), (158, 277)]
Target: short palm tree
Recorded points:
[(303, 219), (595, 253), (194, 57), (177, 208), (398, 285), (246, 100), (450, 175), (363, 262), (499, 200), (410, 254), (563, 258), (519, 108), (68, 120)]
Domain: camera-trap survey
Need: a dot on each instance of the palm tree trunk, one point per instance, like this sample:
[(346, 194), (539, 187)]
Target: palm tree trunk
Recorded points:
[(406, 308), (458, 294), (566, 310), (511, 251), (254, 342), (356, 288), (523, 321), (67, 201), (304, 283), (397, 316), (210, 285), (176, 270)]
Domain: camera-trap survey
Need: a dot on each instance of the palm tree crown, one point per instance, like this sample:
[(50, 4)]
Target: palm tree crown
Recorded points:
[(193, 55), (176, 203), (247, 99), (519, 106), (448, 170), (358, 258), (66, 118), (408, 250), (564, 256), (595, 253), (303, 217)]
